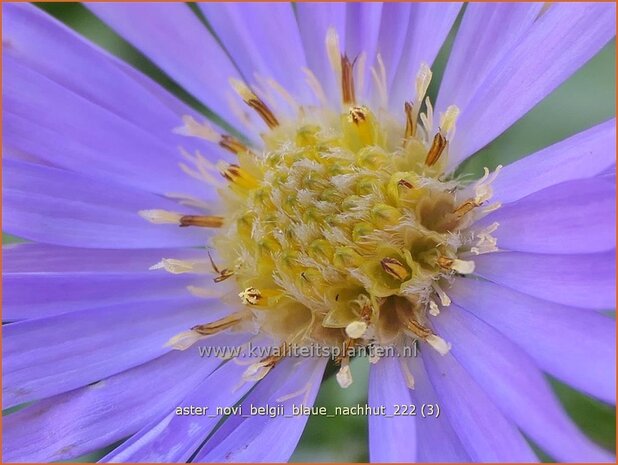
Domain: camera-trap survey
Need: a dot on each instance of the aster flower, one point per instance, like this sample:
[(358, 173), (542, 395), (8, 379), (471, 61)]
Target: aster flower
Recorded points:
[(319, 207)]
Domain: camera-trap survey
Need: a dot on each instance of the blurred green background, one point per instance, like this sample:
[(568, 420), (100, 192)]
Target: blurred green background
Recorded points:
[(585, 99)]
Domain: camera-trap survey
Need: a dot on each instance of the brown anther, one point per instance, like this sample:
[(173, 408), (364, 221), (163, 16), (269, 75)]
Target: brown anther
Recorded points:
[(347, 80), (231, 172), (235, 174), (445, 262), (465, 208), (265, 113), (347, 344), (217, 326), (394, 268), (250, 296), (223, 274), (357, 114), (410, 120), (365, 313), (232, 144), (417, 328), (271, 360), (436, 149), (406, 184), (201, 221)]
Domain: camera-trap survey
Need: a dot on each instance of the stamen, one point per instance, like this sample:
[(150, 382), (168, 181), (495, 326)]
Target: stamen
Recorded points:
[(465, 208), (410, 120), (236, 174), (186, 339), (215, 327), (460, 266), (250, 296), (395, 268), (437, 147), (223, 274), (255, 102), (259, 370), (232, 144), (347, 81), (201, 221)]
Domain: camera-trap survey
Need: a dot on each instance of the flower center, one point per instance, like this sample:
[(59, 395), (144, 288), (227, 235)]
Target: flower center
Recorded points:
[(343, 229)]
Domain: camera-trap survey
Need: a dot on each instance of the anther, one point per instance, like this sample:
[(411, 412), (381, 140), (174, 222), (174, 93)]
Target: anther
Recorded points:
[(187, 338), (395, 268), (250, 296), (436, 149), (465, 208), (255, 102), (460, 266), (215, 327), (404, 183), (357, 115), (232, 144), (347, 81), (201, 221), (410, 120), (237, 175), (259, 370), (222, 274)]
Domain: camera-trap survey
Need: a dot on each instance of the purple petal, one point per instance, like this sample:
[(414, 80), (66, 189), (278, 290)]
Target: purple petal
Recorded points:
[(60, 207), (516, 386), (176, 437), (392, 436), (362, 29), (583, 155), (314, 19), (41, 280), (114, 123), (175, 39), (487, 32), (428, 28), (50, 48), (258, 438), (585, 280), (261, 38), (45, 258), (574, 345), (393, 31), (84, 420), (52, 355), (558, 44), (436, 439), (572, 217), (482, 429)]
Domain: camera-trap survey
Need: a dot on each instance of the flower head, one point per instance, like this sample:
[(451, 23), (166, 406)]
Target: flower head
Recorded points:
[(221, 261)]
